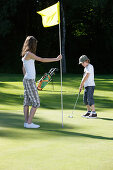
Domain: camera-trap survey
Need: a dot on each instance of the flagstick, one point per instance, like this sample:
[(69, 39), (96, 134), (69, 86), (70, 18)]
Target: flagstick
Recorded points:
[(61, 72), (45, 24)]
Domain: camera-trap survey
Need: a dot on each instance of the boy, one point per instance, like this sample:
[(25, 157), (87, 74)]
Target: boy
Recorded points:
[(89, 85)]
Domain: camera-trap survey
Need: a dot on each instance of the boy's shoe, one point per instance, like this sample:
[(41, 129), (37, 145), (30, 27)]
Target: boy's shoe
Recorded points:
[(32, 125), (87, 114), (92, 116)]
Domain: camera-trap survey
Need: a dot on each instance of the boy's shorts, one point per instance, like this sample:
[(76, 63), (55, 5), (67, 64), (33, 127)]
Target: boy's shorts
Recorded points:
[(31, 96), (88, 95)]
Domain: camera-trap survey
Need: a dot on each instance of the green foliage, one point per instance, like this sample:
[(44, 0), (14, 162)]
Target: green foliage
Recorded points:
[(89, 26), (8, 10)]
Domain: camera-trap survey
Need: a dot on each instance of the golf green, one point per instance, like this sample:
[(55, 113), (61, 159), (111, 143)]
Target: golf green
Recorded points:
[(83, 144)]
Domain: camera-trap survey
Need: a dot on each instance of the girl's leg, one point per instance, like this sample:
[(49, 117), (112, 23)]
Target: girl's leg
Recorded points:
[(26, 113), (32, 112)]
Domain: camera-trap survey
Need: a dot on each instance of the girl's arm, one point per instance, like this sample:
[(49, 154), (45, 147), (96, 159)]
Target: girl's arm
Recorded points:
[(23, 69), (34, 57), (83, 81)]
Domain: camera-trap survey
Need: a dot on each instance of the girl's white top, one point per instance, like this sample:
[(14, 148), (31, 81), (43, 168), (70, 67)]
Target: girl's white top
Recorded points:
[(29, 66), (90, 80)]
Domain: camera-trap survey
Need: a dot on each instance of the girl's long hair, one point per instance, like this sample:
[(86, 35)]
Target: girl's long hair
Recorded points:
[(30, 44)]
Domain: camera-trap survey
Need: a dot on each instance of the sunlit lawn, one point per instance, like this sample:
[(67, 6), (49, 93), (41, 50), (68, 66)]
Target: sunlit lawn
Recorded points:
[(82, 144)]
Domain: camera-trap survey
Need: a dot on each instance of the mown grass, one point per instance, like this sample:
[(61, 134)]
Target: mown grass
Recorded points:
[(82, 144)]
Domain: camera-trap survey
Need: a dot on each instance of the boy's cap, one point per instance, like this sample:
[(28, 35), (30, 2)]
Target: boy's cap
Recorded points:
[(83, 58)]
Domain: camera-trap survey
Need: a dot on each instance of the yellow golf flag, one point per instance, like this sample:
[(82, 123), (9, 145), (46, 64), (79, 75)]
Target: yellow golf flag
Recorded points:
[(51, 15)]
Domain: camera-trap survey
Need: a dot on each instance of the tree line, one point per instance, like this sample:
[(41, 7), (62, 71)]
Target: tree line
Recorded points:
[(87, 28)]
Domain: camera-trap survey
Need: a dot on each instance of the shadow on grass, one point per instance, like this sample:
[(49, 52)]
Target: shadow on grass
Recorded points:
[(16, 131), (53, 101), (9, 86), (11, 77), (75, 134), (17, 121), (108, 119), (10, 99), (14, 77), (103, 82)]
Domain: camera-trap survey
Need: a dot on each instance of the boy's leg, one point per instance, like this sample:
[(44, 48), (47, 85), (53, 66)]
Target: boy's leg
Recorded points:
[(86, 103), (32, 112), (26, 113), (93, 108), (91, 103), (93, 112), (90, 99), (88, 108)]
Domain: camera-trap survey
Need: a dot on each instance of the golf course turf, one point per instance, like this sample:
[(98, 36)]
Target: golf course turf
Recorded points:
[(83, 144)]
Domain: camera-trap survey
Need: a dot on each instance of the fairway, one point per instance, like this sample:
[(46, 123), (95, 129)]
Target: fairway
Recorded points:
[(82, 144)]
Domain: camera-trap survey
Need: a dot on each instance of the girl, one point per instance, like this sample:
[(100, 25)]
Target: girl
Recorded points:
[(31, 96)]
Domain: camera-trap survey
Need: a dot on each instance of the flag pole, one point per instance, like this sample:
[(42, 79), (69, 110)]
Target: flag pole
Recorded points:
[(61, 68)]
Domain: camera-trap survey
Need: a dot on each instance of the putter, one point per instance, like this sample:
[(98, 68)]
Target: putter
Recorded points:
[(71, 115)]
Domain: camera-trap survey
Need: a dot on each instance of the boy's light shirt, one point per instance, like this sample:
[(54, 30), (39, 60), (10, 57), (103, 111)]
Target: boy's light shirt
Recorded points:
[(90, 81)]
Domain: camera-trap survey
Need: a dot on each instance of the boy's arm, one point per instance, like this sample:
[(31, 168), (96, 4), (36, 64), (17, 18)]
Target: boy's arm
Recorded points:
[(83, 81), (23, 69), (33, 56)]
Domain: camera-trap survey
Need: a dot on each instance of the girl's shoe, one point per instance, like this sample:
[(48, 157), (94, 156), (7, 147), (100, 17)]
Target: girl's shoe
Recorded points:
[(25, 125), (32, 125)]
